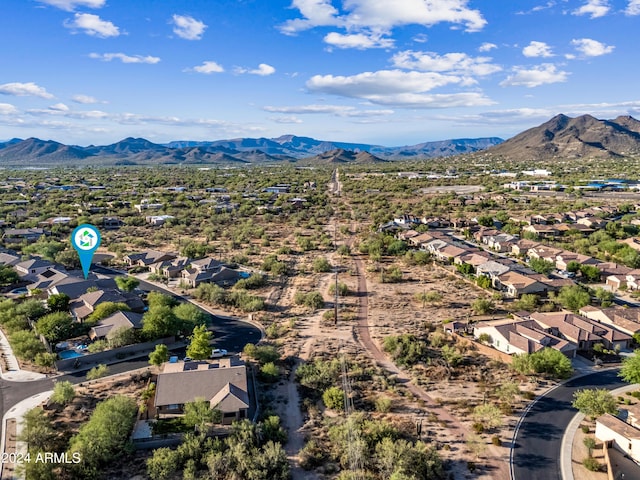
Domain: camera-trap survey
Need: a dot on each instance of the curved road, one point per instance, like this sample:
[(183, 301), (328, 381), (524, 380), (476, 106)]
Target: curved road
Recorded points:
[(537, 446), (230, 333)]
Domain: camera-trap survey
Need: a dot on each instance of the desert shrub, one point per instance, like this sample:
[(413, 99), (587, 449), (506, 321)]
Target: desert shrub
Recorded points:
[(383, 404)]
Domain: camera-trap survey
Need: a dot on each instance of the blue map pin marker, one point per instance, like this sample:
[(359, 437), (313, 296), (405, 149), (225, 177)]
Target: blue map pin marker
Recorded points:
[(86, 240)]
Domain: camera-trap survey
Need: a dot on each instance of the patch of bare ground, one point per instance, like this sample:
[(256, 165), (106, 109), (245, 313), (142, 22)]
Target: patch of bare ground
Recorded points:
[(67, 420), (579, 452)]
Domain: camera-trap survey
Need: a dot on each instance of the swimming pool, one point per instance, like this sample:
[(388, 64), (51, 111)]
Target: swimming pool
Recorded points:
[(69, 354)]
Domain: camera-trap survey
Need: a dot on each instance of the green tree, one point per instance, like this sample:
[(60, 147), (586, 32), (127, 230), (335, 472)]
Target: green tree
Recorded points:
[(8, 275), (159, 321), (489, 415), (37, 430), (159, 355), (482, 306), (26, 345), (590, 443), (190, 316), (630, 370), (157, 299), (31, 308), (540, 265), (483, 281), (127, 284), (574, 297), (105, 436), (269, 372), (595, 402), (58, 302), (55, 326), (106, 309), (121, 336), (321, 264), (590, 273), (548, 360), (527, 301), (98, 371), (164, 464), (199, 346), (199, 414), (63, 392), (605, 297), (333, 398)]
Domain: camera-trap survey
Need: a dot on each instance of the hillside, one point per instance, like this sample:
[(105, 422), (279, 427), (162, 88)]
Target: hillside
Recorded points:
[(290, 148), (566, 137)]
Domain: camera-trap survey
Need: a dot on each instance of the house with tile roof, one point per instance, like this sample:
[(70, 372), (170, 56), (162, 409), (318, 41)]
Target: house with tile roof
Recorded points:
[(519, 335), (222, 383)]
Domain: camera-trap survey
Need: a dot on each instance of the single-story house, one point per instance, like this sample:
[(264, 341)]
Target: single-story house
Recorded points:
[(85, 305), (148, 257), (19, 235), (33, 267), (521, 336), (516, 284), (106, 327), (223, 277), (625, 319), (616, 433), (223, 383)]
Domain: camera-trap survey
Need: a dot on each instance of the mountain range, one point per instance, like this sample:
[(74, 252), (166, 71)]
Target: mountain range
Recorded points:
[(579, 137), (288, 148), (559, 137)]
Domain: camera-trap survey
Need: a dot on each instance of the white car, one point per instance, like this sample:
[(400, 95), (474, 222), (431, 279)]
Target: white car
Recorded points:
[(218, 352)]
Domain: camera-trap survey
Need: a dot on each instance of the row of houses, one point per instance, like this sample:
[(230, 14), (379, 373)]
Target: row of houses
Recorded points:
[(85, 294), (505, 274), (564, 331), (192, 272)]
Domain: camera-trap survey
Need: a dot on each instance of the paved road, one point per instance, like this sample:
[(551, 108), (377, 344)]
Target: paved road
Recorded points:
[(536, 453), (229, 333)]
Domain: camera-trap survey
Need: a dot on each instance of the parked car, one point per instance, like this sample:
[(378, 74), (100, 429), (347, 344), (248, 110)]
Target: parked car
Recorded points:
[(218, 352), (188, 359)]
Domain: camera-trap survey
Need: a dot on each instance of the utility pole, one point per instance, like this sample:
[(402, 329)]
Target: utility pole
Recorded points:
[(335, 249)]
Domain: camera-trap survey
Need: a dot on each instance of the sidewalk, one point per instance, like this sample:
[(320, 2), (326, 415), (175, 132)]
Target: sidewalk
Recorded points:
[(566, 465), (14, 374), (13, 418)]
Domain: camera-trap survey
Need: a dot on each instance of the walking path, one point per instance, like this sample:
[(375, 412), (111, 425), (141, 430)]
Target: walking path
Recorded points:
[(13, 372)]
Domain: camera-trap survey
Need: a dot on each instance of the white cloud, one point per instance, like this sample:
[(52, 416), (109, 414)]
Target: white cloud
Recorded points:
[(84, 99), (124, 58), (538, 8), (286, 120), (456, 63), (207, 68), (420, 38), (398, 88), (7, 109), (594, 8), (337, 110), (24, 90), (92, 25), (487, 47), (537, 49), (360, 41), (381, 16), (188, 27), (263, 70), (633, 8), (70, 5), (591, 48), (59, 107), (536, 76)]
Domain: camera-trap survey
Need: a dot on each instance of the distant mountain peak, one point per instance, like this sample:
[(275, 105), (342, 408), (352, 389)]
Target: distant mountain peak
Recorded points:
[(567, 137)]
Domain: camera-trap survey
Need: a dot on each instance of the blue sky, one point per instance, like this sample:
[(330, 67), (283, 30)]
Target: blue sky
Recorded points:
[(389, 72)]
